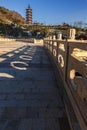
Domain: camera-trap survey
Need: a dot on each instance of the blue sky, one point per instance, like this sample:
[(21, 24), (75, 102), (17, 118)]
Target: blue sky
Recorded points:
[(51, 11)]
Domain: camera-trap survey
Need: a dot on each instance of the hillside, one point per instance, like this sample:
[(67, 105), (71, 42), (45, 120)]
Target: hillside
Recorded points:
[(7, 16)]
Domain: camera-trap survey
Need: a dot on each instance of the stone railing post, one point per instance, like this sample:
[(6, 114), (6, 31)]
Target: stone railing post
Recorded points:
[(50, 37), (71, 34), (59, 36), (54, 37), (50, 42), (54, 46)]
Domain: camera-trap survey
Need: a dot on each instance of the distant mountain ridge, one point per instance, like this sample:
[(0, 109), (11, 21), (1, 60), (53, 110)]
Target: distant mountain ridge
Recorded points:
[(10, 17)]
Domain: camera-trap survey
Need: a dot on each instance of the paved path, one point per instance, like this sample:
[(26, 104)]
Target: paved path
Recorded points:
[(29, 95)]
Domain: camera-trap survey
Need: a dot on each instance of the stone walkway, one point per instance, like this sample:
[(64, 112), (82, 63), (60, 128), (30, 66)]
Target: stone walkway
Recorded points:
[(29, 95)]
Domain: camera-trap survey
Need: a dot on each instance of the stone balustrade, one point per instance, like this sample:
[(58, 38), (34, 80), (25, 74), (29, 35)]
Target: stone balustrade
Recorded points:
[(7, 39), (70, 58)]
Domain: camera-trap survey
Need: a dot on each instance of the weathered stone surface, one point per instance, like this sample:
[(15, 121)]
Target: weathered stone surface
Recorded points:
[(29, 97)]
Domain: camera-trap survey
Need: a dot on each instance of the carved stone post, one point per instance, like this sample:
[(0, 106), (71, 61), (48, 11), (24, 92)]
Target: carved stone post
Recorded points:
[(54, 37), (71, 34), (59, 36)]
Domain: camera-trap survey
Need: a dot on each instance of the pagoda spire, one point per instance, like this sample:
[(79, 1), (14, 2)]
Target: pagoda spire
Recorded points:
[(28, 6)]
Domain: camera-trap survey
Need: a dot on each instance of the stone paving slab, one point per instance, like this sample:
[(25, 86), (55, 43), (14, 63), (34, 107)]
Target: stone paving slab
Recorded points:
[(29, 95)]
